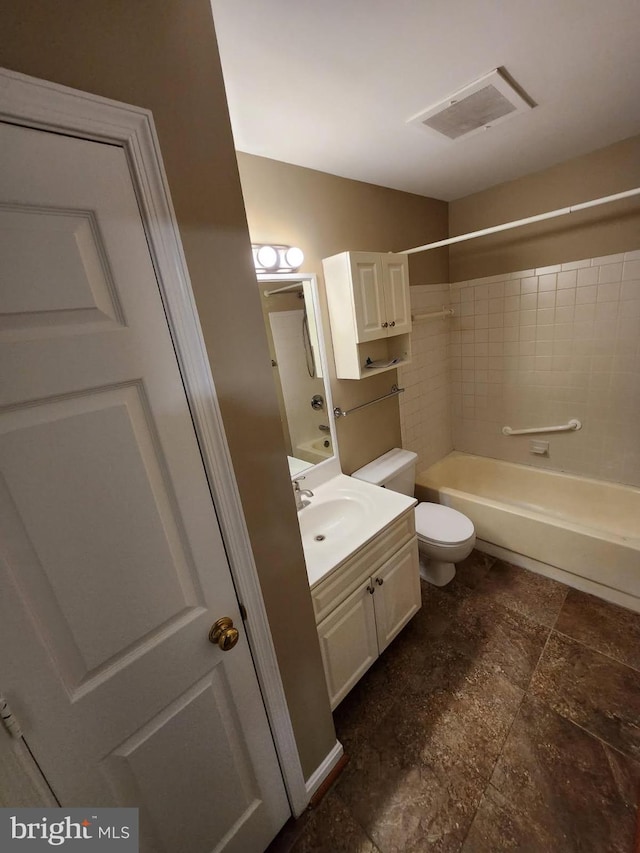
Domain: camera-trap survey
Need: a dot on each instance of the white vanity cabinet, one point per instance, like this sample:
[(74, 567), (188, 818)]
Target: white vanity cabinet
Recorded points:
[(362, 605), (370, 311)]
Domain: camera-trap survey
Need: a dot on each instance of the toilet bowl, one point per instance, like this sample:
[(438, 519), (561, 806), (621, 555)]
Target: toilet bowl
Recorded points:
[(445, 536)]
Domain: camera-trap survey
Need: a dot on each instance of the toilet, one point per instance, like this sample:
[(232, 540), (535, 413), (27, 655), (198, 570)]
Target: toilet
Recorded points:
[(445, 536)]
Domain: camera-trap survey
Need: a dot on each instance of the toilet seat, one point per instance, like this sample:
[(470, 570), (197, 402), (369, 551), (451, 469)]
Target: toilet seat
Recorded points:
[(441, 525)]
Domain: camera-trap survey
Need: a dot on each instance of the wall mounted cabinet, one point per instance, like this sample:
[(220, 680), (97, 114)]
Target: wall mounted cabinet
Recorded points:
[(370, 312), (365, 603)]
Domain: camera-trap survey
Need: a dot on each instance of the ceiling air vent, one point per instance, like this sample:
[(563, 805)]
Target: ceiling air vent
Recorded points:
[(481, 105)]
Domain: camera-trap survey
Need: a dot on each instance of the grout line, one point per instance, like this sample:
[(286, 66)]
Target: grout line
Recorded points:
[(562, 716), (513, 721), (598, 651), (356, 821)]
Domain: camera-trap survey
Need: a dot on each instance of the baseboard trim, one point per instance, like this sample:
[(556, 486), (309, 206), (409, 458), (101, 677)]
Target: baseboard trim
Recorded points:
[(323, 770), (600, 590)]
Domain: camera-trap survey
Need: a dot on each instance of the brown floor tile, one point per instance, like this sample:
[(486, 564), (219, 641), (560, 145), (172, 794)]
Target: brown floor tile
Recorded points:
[(471, 572), (332, 829), (500, 638), (612, 630), (567, 785), (499, 826), (444, 710), (595, 692), (406, 805), (370, 701), (459, 712), (289, 834), (537, 597)]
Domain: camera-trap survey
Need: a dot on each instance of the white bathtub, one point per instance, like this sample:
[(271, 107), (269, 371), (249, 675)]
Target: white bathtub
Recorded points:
[(583, 532)]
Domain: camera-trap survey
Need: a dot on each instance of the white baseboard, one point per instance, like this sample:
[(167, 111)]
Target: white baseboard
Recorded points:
[(576, 581), (322, 771)]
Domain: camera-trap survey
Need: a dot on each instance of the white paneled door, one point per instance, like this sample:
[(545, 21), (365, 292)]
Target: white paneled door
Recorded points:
[(113, 567)]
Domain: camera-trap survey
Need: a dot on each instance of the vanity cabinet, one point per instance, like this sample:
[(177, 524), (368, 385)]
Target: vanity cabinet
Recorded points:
[(364, 604), (370, 311)]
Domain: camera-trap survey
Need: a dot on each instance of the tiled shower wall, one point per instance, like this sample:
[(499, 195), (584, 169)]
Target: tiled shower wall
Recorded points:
[(531, 348), (425, 406)]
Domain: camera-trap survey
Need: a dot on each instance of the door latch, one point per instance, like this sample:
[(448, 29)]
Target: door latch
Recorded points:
[(9, 720)]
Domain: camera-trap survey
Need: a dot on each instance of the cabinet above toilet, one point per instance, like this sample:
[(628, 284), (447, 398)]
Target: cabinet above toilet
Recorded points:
[(370, 312)]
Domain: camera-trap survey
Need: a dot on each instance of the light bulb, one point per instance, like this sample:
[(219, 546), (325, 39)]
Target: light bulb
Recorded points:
[(267, 257), (294, 257)]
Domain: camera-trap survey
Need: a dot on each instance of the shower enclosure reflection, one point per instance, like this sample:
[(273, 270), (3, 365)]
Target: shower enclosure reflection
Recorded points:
[(292, 321)]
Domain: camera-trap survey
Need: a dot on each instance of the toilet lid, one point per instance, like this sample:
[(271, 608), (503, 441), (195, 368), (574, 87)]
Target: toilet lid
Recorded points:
[(436, 523)]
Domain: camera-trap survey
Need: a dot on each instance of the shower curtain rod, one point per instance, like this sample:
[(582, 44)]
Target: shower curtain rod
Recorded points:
[(293, 286), (562, 211)]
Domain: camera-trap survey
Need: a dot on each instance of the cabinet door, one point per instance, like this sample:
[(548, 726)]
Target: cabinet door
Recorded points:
[(395, 269), (348, 642), (368, 296), (397, 593)]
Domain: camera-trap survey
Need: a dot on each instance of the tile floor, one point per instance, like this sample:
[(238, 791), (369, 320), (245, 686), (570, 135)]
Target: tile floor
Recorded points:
[(506, 716)]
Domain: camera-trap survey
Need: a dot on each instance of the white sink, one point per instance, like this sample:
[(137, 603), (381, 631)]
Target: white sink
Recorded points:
[(341, 516), (332, 519)]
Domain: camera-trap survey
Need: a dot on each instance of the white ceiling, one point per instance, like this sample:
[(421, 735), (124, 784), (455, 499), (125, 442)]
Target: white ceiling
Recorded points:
[(330, 84)]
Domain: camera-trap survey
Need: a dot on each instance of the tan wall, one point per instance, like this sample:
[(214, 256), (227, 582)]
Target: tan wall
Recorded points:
[(323, 215), (605, 230), (163, 56)]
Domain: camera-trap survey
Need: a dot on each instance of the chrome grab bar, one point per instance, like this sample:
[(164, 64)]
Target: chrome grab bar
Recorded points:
[(570, 427), (340, 413)]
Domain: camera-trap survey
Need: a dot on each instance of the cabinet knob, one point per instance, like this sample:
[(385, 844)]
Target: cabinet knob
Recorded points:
[(384, 325), (392, 323), (370, 589), (379, 581)]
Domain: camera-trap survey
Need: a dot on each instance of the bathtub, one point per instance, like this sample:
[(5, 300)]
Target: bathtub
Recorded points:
[(316, 450), (583, 532)]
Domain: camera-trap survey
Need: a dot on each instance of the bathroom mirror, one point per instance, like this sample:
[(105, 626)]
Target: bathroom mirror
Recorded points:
[(293, 323)]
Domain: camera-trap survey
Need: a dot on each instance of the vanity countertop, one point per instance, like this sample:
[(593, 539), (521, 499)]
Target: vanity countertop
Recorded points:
[(342, 516)]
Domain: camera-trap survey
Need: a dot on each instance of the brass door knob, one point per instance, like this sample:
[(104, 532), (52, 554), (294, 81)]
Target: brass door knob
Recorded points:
[(223, 634)]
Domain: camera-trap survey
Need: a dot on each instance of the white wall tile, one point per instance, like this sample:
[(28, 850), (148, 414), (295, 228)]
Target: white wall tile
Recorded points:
[(568, 347), (547, 282), (544, 345), (610, 272), (587, 277)]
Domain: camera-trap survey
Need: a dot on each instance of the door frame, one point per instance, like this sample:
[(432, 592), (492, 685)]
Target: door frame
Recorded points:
[(50, 106)]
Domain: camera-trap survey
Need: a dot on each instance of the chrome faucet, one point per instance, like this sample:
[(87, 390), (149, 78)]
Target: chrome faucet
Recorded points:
[(300, 494)]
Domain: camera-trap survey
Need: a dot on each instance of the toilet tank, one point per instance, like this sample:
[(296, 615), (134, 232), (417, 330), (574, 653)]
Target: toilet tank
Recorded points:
[(395, 470)]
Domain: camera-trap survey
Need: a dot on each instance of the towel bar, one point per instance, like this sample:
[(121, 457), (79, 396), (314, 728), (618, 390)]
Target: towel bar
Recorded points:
[(340, 413)]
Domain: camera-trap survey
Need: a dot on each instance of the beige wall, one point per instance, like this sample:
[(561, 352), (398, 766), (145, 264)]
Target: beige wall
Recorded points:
[(600, 231), (323, 215), (163, 56)]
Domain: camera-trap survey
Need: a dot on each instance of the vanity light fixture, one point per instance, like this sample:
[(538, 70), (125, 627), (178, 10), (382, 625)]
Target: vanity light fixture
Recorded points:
[(276, 258)]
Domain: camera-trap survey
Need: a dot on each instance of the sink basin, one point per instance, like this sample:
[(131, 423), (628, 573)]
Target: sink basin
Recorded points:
[(342, 515), (331, 519)]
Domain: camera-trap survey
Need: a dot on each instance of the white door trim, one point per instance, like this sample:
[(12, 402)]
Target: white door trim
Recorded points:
[(49, 106)]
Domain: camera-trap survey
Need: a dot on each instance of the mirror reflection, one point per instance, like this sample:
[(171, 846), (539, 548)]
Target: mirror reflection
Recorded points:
[(293, 325)]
